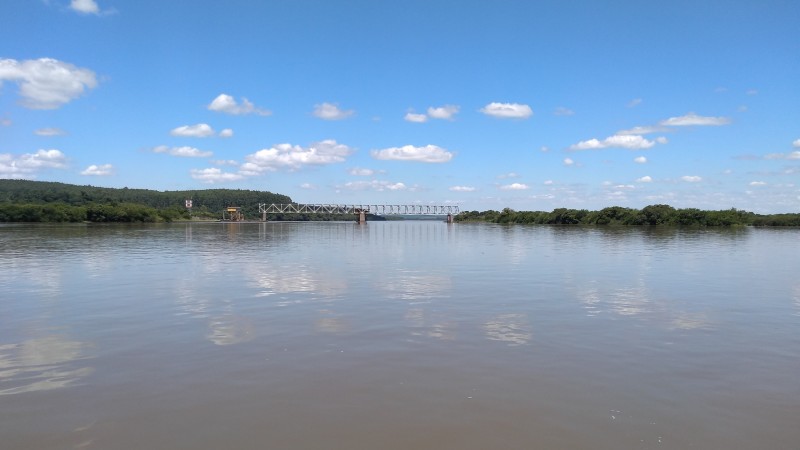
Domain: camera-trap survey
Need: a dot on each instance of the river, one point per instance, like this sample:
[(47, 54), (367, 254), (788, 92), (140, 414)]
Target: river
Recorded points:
[(398, 335)]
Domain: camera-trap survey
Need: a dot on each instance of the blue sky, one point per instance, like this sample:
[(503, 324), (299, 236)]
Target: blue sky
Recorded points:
[(532, 105)]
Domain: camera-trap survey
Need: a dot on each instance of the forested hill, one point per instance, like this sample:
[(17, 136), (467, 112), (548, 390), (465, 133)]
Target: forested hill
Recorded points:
[(212, 201)]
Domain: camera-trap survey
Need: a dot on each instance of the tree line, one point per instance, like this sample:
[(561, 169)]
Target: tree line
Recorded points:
[(39, 201), (664, 215)]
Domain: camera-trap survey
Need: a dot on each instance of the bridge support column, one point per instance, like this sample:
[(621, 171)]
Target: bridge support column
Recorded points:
[(362, 217), (264, 216), (449, 218)]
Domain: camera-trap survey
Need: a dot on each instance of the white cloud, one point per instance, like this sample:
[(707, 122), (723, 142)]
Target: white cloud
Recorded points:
[(634, 103), (427, 154), (183, 152), (643, 130), (568, 161), (640, 160), (224, 162), (359, 172), (562, 111), (462, 188), (308, 186), (548, 182), (330, 111), (26, 165), (796, 143), (629, 141), (445, 112), (645, 179), (46, 83), (225, 103), (507, 110), (693, 119), (50, 132), (791, 155), (374, 185), (691, 178), (213, 175), (226, 133), (416, 118), (758, 183), (84, 6), (514, 187), (200, 130), (100, 171), (294, 157)]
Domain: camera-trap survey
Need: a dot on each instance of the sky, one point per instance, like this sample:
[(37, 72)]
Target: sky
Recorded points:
[(530, 105)]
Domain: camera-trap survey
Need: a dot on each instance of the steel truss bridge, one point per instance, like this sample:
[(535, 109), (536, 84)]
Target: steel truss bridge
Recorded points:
[(380, 210)]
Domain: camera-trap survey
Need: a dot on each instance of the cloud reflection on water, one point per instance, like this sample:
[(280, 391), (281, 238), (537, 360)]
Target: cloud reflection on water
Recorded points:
[(41, 364), (230, 329), (514, 329)]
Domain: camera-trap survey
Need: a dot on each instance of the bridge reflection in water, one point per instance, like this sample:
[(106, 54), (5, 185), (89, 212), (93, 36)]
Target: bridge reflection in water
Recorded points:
[(359, 210)]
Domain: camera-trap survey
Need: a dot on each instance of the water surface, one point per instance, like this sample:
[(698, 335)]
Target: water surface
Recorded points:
[(398, 335)]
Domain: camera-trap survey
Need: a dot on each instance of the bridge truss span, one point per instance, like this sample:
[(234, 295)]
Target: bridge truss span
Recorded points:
[(380, 210)]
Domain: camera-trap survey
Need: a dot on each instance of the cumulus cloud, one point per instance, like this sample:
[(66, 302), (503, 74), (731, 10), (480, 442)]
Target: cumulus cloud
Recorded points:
[(693, 119), (200, 130), (225, 103), (629, 141), (84, 6), (462, 188), (359, 172), (691, 178), (427, 154), (568, 161), (331, 111), (27, 165), (640, 160), (507, 110), (416, 118), (99, 171), (796, 143), (46, 83), (183, 152), (294, 157), (514, 187), (213, 175), (224, 162), (374, 185), (226, 133), (48, 132), (642, 130), (644, 179), (445, 112), (758, 183)]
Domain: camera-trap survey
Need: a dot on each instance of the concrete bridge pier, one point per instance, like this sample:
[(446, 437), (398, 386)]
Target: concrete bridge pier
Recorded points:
[(362, 216), (449, 218)]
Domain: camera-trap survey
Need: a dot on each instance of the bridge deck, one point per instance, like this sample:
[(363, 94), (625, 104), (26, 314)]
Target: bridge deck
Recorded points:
[(381, 210)]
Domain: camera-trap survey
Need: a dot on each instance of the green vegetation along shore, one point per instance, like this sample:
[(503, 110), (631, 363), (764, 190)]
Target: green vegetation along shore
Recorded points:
[(664, 215), (39, 201)]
